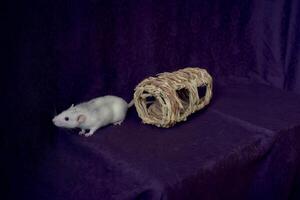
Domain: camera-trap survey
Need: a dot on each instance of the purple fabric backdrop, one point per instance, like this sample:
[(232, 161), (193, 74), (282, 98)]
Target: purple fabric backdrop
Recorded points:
[(64, 52)]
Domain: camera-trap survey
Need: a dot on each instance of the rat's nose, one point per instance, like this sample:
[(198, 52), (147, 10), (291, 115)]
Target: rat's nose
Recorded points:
[(54, 120)]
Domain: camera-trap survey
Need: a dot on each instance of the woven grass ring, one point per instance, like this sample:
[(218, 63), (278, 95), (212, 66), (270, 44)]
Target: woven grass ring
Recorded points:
[(169, 98)]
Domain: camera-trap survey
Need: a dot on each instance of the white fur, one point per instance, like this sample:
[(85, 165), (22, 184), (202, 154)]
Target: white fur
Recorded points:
[(93, 114)]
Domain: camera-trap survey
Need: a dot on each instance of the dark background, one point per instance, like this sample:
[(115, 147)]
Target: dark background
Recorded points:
[(63, 52)]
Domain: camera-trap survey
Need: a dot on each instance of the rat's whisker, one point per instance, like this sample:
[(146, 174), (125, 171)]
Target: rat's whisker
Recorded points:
[(55, 110)]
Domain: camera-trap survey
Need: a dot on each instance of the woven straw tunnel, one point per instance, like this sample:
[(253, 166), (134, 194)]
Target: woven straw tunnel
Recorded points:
[(169, 98)]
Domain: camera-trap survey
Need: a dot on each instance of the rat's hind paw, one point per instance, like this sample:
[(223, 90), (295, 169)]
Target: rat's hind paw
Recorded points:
[(118, 122)]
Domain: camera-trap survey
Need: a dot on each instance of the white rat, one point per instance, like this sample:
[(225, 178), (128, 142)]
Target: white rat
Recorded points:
[(93, 114)]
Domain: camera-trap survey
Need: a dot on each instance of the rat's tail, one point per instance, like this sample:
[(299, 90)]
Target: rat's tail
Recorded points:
[(131, 103)]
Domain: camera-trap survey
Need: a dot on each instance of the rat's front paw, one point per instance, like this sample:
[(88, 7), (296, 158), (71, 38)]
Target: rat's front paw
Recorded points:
[(88, 134), (91, 132), (82, 132)]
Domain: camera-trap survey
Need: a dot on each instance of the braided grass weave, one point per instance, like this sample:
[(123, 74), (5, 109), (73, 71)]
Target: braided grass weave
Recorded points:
[(169, 98)]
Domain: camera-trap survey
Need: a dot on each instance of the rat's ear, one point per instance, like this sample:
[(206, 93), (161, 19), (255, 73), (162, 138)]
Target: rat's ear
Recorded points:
[(81, 118)]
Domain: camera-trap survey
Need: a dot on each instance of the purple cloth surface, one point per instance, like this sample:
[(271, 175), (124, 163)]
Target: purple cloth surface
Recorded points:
[(214, 155), (67, 51)]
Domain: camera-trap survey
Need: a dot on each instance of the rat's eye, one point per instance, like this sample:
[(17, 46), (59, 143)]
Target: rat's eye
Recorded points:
[(67, 118)]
